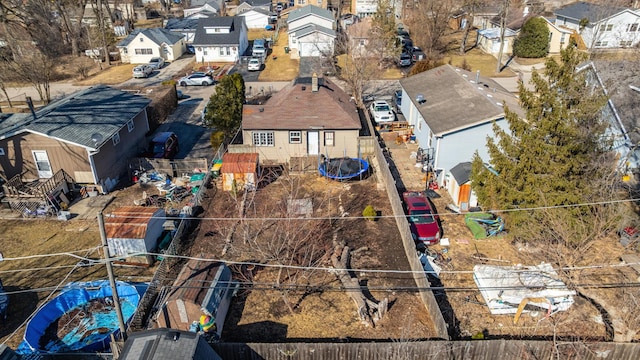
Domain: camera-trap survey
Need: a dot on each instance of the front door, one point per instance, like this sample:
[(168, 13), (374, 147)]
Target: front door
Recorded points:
[(42, 164), (313, 142)]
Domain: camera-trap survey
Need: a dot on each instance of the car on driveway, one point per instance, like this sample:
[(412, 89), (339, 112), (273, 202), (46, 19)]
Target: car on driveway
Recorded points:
[(142, 71), (404, 60), (164, 145), (397, 99), (417, 54), (156, 63), (254, 65), (197, 78), (381, 112), (424, 225)]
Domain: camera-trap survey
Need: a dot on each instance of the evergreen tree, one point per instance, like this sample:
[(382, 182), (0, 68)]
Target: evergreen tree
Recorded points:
[(384, 33), (533, 41), (555, 154), (224, 110)]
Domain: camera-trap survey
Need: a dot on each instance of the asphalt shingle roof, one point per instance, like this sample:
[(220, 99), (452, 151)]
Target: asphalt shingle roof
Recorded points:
[(461, 172), (231, 38), (97, 112), (594, 12), (311, 28), (293, 108), (299, 13), (454, 101), (166, 344), (157, 35), (200, 3)]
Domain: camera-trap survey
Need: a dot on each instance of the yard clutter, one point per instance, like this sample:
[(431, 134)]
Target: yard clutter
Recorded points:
[(517, 289), (484, 225), (170, 192)]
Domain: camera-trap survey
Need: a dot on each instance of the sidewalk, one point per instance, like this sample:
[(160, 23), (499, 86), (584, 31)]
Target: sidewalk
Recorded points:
[(524, 74)]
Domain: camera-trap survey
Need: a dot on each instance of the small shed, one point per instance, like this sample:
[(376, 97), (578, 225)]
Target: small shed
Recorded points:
[(201, 288), (241, 169), (459, 186), (134, 229)]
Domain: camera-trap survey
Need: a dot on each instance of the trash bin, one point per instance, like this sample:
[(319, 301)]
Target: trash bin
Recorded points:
[(286, 49)]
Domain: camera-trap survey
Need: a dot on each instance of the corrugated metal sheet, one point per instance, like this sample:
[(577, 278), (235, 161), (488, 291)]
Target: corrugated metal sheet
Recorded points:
[(408, 349), (239, 163), (130, 222)]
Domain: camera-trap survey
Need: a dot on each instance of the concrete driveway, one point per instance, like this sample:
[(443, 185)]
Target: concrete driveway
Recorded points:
[(168, 71)]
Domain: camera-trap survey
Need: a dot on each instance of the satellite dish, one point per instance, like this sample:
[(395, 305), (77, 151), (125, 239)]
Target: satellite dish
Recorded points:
[(96, 138)]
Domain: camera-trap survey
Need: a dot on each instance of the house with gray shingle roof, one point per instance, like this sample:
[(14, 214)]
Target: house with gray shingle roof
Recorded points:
[(220, 39), (186, 26), (302, 120), (167, 344), (209, 6), (452, 111), (606, 26), (311, 31), (246, 5), (86, 134), (143, 44), (255, 18)]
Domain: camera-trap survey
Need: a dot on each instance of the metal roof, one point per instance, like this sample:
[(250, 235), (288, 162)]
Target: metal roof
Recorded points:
[(87, 118)]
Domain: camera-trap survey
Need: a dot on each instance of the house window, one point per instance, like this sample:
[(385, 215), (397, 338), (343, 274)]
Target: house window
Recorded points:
[(626, 43), (204, 52), (632, 27), (606, 27), (130, 125), (125, 50), (601, 43), (562, 38), (301, 2), (295, 137), (141, 39), (329, 138), (362, 42), (144, 52), (228, 50), (263, 138), (221, 50), (319, 2), (116, 139)]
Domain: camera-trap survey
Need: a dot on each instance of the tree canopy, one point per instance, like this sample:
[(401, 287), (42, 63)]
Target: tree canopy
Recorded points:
[(553, 156), (224, 110), (383, 33), (533, 41)]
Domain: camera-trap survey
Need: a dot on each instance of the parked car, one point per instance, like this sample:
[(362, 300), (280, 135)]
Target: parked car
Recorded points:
[(404, 43), (397, 99), (156, 62), (164, 145), (197, 78), (259, 48), (404, 60), (422, 220), (381, 112), (142, 71), (254, 65), (417, 54)]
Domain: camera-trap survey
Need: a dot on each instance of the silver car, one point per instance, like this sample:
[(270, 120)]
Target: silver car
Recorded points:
[(156, 63), (197, 78), (142, 71)]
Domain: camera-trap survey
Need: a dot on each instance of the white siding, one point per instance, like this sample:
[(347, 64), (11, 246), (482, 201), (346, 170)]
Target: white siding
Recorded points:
[(311, 19), (255, 20)]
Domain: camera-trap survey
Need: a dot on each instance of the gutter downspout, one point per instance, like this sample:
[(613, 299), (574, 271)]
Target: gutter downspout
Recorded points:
[(92, 164)]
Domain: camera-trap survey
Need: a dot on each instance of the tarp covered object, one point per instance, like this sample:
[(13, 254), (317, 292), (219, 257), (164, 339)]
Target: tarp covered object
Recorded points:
[(90, 336), (504, 287)]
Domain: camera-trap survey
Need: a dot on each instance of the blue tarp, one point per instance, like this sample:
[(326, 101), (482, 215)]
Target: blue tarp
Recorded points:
[(94, 330)]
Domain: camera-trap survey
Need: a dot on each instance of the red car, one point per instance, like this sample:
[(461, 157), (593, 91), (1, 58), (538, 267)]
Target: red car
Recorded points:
[(424, 224)]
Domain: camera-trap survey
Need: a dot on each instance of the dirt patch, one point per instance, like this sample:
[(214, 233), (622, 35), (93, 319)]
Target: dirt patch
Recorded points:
[(316, 306), (279, 66)]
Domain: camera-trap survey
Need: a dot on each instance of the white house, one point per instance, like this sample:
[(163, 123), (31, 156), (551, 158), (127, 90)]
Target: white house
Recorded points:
[(601, 26), (452, 121), (489, 40), (205, 6), (220, 39), (143, 44), (311, 31), (246, 5), (255, 18), (185, 26)]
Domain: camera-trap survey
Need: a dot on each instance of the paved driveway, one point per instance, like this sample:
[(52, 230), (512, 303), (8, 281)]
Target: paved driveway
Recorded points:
[(167, 72)]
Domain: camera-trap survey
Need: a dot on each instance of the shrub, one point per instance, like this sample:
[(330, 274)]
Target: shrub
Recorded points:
[(169, 82), (369, 213), (425, 65), (533, 41)]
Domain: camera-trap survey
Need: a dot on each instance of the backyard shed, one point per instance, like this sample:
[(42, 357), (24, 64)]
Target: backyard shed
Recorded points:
[(133, 229), (201, 288), (241, 168), (459, 186)]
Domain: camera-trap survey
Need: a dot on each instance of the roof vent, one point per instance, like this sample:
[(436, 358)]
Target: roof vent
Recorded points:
[(420, 99)]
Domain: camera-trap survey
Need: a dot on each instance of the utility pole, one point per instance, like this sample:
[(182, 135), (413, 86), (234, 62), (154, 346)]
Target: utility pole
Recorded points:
[(503, 26), (112, 280)]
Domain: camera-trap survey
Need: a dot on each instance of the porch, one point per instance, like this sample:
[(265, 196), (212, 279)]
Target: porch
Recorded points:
[(43, 197)]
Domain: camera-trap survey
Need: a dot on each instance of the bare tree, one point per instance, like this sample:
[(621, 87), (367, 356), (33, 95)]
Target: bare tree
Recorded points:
[(383, 34), (71, 13), (470, 7), (428, 23), (504, 14), (98, 9), (36, 68)]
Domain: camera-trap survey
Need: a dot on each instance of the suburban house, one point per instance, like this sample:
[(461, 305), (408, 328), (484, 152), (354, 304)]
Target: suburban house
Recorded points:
[(205, 6), (186, 26), (166, 344), (256, 18), (601, 26), (143, 44), (305, 119), (246, 5), (311, 31), (358, 34), (87, 134), (220, 39), (463, 112), (558, 37)]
